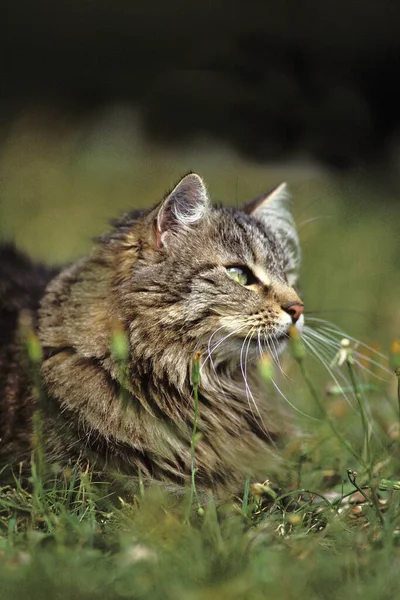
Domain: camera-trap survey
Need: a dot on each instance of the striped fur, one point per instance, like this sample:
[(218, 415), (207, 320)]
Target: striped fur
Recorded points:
[(162, 278)]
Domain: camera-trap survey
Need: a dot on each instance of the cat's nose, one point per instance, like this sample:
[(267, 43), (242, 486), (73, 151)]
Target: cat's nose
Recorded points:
[(295, 310)]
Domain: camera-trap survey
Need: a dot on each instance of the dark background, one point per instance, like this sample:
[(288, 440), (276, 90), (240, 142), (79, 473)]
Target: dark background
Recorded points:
[(272, 79)]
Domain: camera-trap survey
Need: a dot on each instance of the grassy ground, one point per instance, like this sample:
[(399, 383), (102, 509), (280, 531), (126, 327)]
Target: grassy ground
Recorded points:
[(330, 534)]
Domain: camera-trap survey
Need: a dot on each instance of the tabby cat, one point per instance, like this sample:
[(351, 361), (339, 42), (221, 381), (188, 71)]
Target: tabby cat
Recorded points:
[(185, 277)]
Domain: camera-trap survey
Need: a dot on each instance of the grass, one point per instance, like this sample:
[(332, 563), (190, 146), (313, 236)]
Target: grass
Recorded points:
[(63, 534), (334, 532)]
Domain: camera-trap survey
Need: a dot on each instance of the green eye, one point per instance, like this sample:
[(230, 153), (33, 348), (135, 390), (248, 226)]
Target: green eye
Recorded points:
[(238, 274)]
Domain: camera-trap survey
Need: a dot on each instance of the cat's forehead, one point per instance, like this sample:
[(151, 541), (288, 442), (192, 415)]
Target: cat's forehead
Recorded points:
[(240, 237)]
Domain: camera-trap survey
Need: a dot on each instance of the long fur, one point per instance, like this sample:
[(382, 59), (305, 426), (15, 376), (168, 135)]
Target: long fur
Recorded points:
[(160, 277)]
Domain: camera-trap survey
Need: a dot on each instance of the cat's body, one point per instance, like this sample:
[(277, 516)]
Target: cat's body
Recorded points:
[(183, 278), (22, 285)]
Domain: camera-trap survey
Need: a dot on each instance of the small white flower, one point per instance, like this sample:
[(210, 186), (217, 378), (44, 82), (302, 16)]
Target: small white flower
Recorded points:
[(344, 354)]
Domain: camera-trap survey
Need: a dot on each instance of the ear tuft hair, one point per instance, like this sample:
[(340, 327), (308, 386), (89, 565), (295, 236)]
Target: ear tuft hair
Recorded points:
[(184, 206)]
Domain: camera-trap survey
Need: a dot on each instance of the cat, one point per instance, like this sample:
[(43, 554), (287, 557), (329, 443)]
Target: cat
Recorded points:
[(182, 278)]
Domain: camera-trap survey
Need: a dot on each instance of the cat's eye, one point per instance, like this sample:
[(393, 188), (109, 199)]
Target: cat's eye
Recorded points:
[(242, 275)]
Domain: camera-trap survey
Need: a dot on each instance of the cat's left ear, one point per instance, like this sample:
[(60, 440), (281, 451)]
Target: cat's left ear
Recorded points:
[(273, 202), (185, 206)]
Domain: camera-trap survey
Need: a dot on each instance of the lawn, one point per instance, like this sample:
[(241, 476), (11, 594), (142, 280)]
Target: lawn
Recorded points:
[(333, 530)]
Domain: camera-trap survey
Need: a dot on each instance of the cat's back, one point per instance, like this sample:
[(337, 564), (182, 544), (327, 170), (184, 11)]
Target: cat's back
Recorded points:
[(22, 282), (22, 285)]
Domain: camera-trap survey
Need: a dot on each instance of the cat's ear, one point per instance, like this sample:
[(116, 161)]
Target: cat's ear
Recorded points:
[(185, 206), (275, 201), (273, 209)]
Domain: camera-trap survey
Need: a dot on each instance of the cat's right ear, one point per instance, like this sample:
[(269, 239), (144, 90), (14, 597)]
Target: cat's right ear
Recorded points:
[(185, 206)]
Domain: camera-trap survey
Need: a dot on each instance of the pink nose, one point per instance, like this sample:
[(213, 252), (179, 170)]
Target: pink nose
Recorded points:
[(295, 310)]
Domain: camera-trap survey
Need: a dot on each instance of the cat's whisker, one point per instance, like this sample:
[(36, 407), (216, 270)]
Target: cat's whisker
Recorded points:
[(320, 352), (260, 350), (211, 337), (329, 338), (274, 341), (217, 344), (252, 331), (327, 354), (287, 377), (276, 361), (318, 341), (278, 389), (313, 347), (243, 371), (359, 355), (327, 367), (272, 352), (329, 348), (209, 357), (243, 366), (329, 327), (312, 220), (334, 347), (334, 344)]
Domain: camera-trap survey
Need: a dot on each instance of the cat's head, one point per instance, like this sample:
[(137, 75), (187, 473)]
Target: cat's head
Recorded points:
[(212, 277)]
